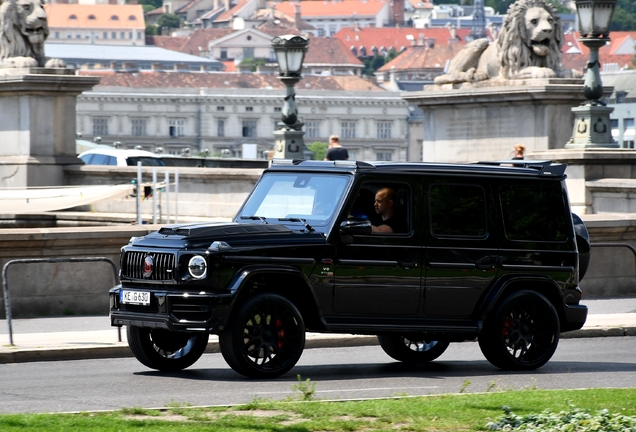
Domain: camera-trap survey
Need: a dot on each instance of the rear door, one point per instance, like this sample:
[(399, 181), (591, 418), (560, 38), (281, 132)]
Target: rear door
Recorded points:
[(461, 248)]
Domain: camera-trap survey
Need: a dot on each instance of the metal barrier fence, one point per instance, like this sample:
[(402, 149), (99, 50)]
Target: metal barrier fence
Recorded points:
[(612, 244), (5, 283)]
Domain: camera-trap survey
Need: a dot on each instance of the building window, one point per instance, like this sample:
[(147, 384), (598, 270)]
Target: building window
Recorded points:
[(384, 130), (629, 133), (384, 156), (332, 30), (348, 129), (248, 53), (620, 97), (321, 32), (138, 127), (57, 35), (122, 35), (312, 129), (220, 108), (113, 35), (220, 128), (114, 18), (100, 126), (223, 53), (249, 108), (105, 35), (249, 128), (177, 127), (278, 109)]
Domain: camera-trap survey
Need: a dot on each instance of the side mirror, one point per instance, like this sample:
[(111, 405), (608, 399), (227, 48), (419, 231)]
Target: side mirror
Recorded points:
[(356, 226)]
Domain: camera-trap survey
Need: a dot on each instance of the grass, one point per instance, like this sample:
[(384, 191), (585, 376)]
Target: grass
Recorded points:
[(458, 412)]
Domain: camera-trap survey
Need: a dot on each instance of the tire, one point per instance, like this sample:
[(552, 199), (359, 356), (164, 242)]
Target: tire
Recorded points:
[(265, 338), (522, 333), (412, 348), (164, 350)]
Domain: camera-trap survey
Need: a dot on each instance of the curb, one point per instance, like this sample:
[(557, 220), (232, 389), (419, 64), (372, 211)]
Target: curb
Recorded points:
[(120, 350)]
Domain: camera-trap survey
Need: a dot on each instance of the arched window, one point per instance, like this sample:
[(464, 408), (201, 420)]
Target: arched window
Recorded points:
[(91, 17), (363, 52), (114, 18), (72, 17), (354, 50), (132, 18)]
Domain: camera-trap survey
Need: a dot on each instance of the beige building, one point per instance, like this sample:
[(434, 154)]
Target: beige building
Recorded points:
[(105, 24), (224, 111)]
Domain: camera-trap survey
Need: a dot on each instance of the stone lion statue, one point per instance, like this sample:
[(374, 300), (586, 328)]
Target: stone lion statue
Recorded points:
[(528, 46), (23, 30)]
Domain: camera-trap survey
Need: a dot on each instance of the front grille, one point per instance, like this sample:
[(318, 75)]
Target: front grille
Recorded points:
[(164, 267)]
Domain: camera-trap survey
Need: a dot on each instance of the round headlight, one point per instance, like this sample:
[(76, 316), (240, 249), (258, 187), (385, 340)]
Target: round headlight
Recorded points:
[(197, 267)]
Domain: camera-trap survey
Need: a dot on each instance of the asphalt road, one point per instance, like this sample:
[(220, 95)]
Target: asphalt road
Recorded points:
[(339, 373)]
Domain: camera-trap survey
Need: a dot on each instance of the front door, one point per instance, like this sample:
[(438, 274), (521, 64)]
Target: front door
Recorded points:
[(380, 273)]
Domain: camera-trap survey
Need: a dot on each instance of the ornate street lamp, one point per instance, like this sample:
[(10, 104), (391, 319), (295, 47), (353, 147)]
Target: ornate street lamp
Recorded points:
[(592, 126), (290, 52)]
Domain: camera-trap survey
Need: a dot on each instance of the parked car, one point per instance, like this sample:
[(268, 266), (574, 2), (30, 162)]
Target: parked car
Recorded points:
[(120, 157), (486, 250)]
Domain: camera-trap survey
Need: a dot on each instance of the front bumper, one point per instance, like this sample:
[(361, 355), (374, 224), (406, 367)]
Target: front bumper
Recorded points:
[(575, 316), (172, 310)]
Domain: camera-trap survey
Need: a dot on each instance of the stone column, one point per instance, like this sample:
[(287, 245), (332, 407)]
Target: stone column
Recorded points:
[(38, 125)]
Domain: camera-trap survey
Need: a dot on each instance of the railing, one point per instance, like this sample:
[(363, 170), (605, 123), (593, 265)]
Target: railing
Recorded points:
[(5, 282), (612, 244)]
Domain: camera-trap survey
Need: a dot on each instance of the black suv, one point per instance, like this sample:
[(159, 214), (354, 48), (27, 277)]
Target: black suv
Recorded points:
[(487, 250)]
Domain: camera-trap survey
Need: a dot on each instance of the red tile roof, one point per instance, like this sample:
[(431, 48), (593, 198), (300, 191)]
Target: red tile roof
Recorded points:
[(227, 15), (197, 80), (340, 8), (396, 38), (95, 16), (172, 43), (421, 57), (329, 51)]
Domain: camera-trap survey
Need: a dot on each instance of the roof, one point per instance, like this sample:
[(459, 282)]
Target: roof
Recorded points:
[(95, 16), (329, 51), (422, 57), (608, 54), (172, 43), (515, 168), (334, 8), (120, 53), (226, 80), (396, 38), (228, 14)]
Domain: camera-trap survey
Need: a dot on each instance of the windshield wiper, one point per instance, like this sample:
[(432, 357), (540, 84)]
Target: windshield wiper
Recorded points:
[(260, 218), (303, 221)]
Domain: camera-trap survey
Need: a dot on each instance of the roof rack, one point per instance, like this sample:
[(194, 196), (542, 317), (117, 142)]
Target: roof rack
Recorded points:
[(545, 167)]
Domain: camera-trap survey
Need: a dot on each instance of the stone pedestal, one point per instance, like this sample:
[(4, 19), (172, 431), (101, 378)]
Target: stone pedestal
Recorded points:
[(592, 127), (599, 180), (37, 125), (483, 121)]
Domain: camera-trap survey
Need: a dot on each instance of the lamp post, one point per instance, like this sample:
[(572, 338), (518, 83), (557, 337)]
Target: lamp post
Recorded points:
[(592, 126), (290, 52)]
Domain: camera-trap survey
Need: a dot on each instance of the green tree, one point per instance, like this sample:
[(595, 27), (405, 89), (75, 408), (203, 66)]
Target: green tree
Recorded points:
[(153, 4), (373, 64), (319, 149), (169, 21), (253, 63), (152, 30)]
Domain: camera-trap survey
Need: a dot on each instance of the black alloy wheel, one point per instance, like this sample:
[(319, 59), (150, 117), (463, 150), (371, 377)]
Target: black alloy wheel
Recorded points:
[(522, 334), (265, 338), (164, 350), (412, 348)]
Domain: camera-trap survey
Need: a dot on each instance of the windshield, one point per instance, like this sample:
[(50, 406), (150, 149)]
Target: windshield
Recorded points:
[(313, 198)]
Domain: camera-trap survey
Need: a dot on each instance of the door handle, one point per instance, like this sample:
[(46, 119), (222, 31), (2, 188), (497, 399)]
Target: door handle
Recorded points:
[(408, 264), (486, 266)]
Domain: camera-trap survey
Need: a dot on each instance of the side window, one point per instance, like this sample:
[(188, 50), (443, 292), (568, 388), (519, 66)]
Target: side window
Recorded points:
[(457, 210), (394, 213), (534, 213)]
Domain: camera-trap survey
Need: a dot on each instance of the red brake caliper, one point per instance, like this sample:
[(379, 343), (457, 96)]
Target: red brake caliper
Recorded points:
[(507, 325), (281, 333)]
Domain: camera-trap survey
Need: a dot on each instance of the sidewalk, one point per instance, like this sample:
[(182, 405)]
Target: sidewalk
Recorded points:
[(69, 338)]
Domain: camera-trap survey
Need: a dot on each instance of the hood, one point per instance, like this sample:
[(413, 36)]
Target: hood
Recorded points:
[(235, 234)]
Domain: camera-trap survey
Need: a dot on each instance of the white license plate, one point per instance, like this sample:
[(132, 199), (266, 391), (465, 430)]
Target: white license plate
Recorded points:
[(134, 297)]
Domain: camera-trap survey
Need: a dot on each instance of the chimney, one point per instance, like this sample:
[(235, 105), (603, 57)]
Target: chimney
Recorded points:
[(453, 32), (297, 18), (397, 10), (226, 4), (420, 39)]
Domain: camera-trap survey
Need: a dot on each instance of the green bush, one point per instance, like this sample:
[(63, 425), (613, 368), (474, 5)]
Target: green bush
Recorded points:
[(572, 420)]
